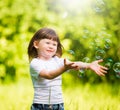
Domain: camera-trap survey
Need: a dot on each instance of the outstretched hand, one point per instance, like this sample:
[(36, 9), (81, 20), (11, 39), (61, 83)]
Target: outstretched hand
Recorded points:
[(98, 69), (94, 66), (69, 65)]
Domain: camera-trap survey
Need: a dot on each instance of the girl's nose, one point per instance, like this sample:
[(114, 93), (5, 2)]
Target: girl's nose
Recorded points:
[(51, 46)]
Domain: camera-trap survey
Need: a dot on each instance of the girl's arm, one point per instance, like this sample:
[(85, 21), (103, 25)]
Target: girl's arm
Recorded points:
[(54, 73), (94, 66)]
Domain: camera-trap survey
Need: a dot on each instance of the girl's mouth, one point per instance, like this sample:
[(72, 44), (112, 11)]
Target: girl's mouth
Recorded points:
[(50, 51)]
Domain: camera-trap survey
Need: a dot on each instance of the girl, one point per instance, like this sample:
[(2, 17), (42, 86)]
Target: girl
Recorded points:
[(46, 67)]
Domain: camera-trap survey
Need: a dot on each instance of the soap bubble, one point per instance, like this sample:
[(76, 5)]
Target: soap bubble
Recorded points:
[(92, 44), (99, 6), (117, 74), (101, 2), (97, 9), (109, 63), (110, 60), (100, 54), (81, 73), (86, 59), (71, 52), (116, 67), (107, 44), (86, 31), (84, 36)]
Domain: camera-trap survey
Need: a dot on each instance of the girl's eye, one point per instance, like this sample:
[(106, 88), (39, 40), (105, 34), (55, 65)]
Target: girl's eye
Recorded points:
[(54, 44), (47, 42)]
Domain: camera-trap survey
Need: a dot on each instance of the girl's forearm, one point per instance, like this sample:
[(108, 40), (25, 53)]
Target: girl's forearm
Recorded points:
[(53, 73), (83, 65)]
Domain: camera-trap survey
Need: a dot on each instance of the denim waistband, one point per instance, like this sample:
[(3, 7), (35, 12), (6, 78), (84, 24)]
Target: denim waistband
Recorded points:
[(49, 106)]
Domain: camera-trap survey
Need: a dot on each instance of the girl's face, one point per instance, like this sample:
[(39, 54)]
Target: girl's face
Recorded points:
[(46, 48)]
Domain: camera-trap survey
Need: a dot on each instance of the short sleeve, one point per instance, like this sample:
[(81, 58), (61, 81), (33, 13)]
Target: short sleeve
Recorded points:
[(60, 61), (35, 68)]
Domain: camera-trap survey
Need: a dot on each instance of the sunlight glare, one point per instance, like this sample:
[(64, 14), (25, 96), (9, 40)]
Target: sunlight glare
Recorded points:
[(76, 4)]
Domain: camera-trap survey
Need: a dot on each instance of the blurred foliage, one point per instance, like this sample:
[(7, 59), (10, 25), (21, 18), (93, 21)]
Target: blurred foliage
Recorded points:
[(83, 26)]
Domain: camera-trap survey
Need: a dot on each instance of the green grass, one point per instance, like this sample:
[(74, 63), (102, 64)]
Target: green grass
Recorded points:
[(99, 97), (18, 96)]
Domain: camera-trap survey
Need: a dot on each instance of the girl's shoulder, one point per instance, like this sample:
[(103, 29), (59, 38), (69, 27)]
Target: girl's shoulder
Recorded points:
[(34, 61)]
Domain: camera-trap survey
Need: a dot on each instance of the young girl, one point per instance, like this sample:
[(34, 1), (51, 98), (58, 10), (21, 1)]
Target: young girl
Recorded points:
[(46, 67)]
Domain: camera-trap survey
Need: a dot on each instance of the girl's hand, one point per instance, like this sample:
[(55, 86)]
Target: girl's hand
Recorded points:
[(98, 69), (69, 65)]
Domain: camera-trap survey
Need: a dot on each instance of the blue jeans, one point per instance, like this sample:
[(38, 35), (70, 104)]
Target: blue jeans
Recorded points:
[(47, 106)]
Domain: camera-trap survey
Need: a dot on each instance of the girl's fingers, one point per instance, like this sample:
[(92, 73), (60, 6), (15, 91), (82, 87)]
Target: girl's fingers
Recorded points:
[(76, 67), (103, 71), (64, 61), (101, 60), (69, 65), (100, 73), (103, 67)]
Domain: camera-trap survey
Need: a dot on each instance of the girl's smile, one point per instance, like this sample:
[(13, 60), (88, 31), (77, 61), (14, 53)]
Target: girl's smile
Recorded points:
[(46, 48)]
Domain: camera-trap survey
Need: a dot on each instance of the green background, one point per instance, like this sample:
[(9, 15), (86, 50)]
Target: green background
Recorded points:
[(83, 27)]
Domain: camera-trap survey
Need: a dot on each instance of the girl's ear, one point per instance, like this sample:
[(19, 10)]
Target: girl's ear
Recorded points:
[(35, 44)]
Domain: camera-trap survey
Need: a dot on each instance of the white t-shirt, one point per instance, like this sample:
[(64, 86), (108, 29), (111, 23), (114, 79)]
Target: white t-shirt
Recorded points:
[(46, 91)]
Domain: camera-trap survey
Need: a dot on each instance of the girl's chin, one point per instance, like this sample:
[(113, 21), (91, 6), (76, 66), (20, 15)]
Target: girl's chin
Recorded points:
[(49, 56)]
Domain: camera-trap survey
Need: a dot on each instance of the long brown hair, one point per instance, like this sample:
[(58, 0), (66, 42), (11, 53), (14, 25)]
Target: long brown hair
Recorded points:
[(44, 33)]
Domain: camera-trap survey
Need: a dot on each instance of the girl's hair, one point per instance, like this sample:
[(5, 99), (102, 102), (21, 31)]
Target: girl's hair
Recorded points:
[(44, 33)]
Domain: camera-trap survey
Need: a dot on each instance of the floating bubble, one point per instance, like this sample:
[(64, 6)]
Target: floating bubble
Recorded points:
[(97, 40), (97, 9), (100, 54), (109, 63), (117, 74), (104, 28), (99, 6), (116, 67), (84, 36), (110, 60), (92, 44), (81, 73), (86, 31), (71, 52), (86, 59), (109, 35), (101, 2), (107, 44)]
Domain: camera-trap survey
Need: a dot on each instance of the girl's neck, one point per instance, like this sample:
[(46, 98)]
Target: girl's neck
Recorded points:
[(44, 58)]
